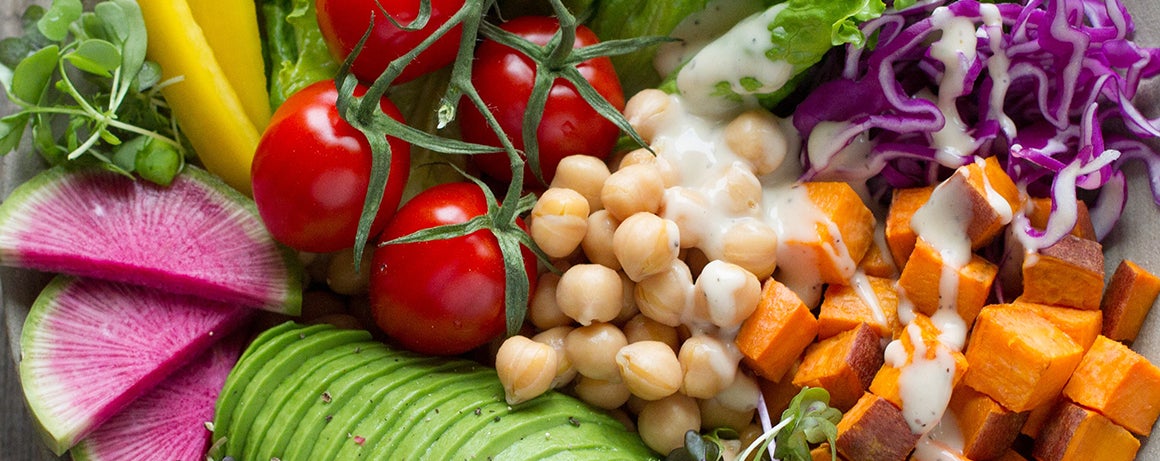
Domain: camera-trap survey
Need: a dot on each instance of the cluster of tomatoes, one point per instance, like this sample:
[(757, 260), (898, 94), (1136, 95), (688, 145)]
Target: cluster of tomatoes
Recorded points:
[(311, 169)]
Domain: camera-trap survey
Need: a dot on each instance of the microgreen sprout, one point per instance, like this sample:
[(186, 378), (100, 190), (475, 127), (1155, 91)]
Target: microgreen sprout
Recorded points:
[(82, 84)]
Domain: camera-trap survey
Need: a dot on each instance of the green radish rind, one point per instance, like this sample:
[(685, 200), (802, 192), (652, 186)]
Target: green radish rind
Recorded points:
[(278, 368), (270, 280), (288, 416), (67, 411)]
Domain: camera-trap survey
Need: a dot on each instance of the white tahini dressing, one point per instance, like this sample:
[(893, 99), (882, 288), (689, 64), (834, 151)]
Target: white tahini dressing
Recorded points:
[(955, 50), (699, 29)]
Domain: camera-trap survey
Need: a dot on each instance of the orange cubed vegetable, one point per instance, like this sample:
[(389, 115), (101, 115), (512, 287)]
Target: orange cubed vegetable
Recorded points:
[(900, 237), (822, 452), (1019, 359), (1083, 326), (1011, 455), (1129, 297), (779, 330), (843, 364), (922, 280), (1119, 383), (888, 381), (1075, 433), (1037, 417), (988, 429), (876, 263), (1069, 273), (979, 196), (870, 300), (1041, 210), (874, 429), (778, 394), (844, 231)]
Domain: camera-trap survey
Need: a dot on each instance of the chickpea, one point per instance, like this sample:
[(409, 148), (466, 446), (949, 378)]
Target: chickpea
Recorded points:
[(742, 395), (317, 303), (709, 367), (715, 415), (756, 137), (726, 294), (341, 276), (750, 433), (662, 424), (643, 328), (650, 369), (628, 307), (597, 242), (543, 311), (666, 296), (600, 393), (645, 244), (646, 112), (592, 350), (559, 221), (639, 156), (554, 337), (738, 191), (689, 209), (752, 244), (590, 293), (584, 174), (525, 367), (633, 189)]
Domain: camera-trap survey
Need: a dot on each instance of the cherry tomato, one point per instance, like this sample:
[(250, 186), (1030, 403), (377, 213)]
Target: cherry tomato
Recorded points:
[(442, 296), (343, 23), (504, 78), (311, 170)]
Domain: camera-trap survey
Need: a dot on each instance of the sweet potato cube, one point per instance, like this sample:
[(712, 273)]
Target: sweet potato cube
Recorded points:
[(779, 330), (922, 280), (874, 429), (1041, 211), (844, 231), (1011, 455), (1119, 383), (900, 237), (1069, 273), (1129, 297), (1083, 326), (988, 429), (1075, 433), (822, 452), (871, 300), (1037, 417), (888, 383), (843, 364), (1018, 359), (979, 196), (876, 263), (778, 394)]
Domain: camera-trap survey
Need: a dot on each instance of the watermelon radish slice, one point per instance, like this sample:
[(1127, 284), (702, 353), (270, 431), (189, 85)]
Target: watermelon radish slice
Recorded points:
[(90, 347), (170, 419), (197, 237)]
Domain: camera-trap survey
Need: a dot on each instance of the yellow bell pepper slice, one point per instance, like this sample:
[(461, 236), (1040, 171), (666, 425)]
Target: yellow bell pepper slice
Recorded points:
[(205, 104), (230, 28)]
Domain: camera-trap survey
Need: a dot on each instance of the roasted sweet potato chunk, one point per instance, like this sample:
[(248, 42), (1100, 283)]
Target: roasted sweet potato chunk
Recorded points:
[(1069, 273), (900, 237), (979, 196), (1018, 359), (874, 429), (1129, 297), (1083, 326), (1119, 383), (930, 351), (871, 300), (922, 281), (1075, 433), (1040, 210), (843, 364), (779, 330), (988, 429), (844, 231), (877, 263)]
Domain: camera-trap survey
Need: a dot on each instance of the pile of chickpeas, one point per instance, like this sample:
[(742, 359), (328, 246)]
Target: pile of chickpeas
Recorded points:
[(637, 322)]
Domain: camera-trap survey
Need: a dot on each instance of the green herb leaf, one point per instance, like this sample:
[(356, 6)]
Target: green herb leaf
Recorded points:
[(96, 57), (158, 162), (56, 21), (11, 130), (32, 75)]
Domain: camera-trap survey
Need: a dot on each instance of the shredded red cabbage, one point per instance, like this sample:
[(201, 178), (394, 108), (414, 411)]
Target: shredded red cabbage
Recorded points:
[(1038, 85)]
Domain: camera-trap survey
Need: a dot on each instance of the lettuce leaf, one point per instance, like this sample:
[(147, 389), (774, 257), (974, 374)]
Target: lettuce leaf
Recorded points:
[(296, 52)]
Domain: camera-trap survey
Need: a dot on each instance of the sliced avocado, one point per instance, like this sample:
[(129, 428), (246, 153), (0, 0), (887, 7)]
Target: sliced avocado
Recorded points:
[(446, 446), (264, 347), (275, 371), (416, 421), (284, 417), (585, 436), (528, 419), (320, 411), (420, 441), (381, 428), (363, 405)]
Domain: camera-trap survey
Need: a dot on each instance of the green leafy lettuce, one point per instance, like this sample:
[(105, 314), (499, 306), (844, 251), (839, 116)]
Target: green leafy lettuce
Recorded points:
[(295, 49)]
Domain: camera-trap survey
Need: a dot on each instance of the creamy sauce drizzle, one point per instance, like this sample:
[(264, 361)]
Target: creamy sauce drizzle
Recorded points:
[(955, 50)]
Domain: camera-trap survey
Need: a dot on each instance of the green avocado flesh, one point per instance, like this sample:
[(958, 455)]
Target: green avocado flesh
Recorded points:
[(319, 393)]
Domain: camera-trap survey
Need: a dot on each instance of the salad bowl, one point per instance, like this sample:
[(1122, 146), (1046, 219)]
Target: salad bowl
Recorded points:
[(1135, 237)]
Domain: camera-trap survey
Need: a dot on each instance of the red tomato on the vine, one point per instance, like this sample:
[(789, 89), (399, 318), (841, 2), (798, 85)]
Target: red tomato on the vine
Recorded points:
[(504, 78), (445, 296), (343, 23), (311, 170)]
